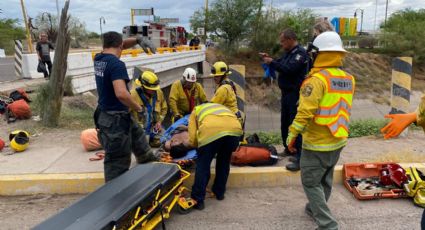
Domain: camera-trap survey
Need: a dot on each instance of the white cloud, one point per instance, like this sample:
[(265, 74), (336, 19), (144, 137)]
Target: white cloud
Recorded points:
[(117, 12)]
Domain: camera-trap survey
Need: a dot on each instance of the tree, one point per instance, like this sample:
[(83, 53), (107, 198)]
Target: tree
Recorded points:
[(273, 21), (230, 20), (46, 22), (197, 20), (51, 107), (404, 34), (9, 31)]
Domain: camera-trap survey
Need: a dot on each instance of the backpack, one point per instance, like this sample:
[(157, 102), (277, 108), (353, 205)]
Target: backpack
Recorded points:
[(254, 153)]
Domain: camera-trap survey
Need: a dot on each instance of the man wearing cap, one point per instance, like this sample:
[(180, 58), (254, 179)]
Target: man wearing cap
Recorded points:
[(185, 94)]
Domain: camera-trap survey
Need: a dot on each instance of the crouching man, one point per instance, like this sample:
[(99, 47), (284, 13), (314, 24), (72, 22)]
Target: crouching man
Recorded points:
[(215, 131)]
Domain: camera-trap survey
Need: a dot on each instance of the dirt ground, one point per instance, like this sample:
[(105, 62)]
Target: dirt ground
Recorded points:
[(248, 208)]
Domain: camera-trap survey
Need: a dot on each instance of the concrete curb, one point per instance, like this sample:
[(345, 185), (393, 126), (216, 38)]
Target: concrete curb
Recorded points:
[(82, 183)]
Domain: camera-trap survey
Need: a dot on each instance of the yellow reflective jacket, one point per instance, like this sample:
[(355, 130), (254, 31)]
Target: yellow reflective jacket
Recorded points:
[(421, 113), (179, 103), (316, 137), (209, 122), (160, 110), (225, 95)]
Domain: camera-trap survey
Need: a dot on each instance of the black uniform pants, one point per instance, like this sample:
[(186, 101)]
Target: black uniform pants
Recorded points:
[(223, 147), (48, 62), (289, 104), (120, 135)]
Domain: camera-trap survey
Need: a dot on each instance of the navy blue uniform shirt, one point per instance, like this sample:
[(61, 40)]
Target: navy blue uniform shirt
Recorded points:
[(108, 68), (292, 68)]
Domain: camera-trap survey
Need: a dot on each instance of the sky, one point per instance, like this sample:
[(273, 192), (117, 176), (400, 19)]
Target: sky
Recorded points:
[(117, 12)]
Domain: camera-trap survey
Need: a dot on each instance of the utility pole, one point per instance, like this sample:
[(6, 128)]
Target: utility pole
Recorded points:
[(101, 19), (361, 20), (24, 12), (57, 11), (386, 11), (206, 20), (132, 16), (376, 10)]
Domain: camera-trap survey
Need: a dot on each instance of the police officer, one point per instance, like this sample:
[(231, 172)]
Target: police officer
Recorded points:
[(118, 133), (292, 68)]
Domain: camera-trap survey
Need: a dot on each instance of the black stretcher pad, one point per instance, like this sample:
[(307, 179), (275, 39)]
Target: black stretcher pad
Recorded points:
[(117, 200)]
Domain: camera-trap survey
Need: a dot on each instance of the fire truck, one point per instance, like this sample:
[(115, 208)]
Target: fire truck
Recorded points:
[(160, 34)]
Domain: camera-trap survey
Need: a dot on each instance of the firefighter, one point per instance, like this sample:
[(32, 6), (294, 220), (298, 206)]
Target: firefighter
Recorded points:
[(225, 93), (292, 68), (399, 122), (322, 118), (185, 94), (150, 97), (213, 130)]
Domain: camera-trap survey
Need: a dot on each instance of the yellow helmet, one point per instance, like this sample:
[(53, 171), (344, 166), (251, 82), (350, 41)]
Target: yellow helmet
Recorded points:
[(219, 69), (19, 140), (148, 80)]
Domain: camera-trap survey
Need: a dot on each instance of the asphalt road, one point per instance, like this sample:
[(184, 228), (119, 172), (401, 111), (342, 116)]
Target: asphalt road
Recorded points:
[(247, 208), (7, 69)]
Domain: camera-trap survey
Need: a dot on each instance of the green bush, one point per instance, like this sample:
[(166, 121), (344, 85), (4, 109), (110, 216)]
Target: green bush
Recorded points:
[(367, 127), (270, 138)]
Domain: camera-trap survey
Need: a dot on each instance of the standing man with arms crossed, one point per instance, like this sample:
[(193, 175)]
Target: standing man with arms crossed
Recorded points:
[(322, 118), (118, 133), (292, 68)]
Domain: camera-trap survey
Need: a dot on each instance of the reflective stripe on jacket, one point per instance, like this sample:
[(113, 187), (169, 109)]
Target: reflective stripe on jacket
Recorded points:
[(335, 106)]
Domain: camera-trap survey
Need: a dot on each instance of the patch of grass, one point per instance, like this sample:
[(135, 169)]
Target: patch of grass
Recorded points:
[(270, 138), (75, 113), (358, 128), (76, 118), (367, 127)]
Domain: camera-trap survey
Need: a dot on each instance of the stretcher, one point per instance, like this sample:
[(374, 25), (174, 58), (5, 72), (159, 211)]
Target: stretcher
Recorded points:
[(141, 198)]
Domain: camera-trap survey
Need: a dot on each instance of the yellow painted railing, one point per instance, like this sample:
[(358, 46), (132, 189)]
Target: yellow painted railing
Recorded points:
[(160, 50)]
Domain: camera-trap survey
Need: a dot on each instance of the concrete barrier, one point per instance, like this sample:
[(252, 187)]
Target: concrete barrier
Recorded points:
[(80, 66), (82, 183)]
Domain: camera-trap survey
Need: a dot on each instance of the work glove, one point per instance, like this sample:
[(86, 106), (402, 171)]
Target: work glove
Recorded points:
[(290, 142), (398, 123), (177, 117), (145, 43)]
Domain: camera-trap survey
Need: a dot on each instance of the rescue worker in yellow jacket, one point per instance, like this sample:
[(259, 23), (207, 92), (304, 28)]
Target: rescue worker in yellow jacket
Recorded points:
[(400, 122), (147, 93), (322, 118), (215, 131), (185, 94), (225, 93)]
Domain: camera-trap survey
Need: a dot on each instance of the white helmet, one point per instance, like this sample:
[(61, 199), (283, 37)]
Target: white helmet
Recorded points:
[(189, 75), (329, 41)]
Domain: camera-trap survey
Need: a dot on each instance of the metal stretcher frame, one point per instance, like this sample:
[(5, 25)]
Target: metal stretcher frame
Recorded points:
[(139, 199)]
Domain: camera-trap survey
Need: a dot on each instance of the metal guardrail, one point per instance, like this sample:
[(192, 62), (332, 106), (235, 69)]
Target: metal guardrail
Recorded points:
[(160, 50)]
